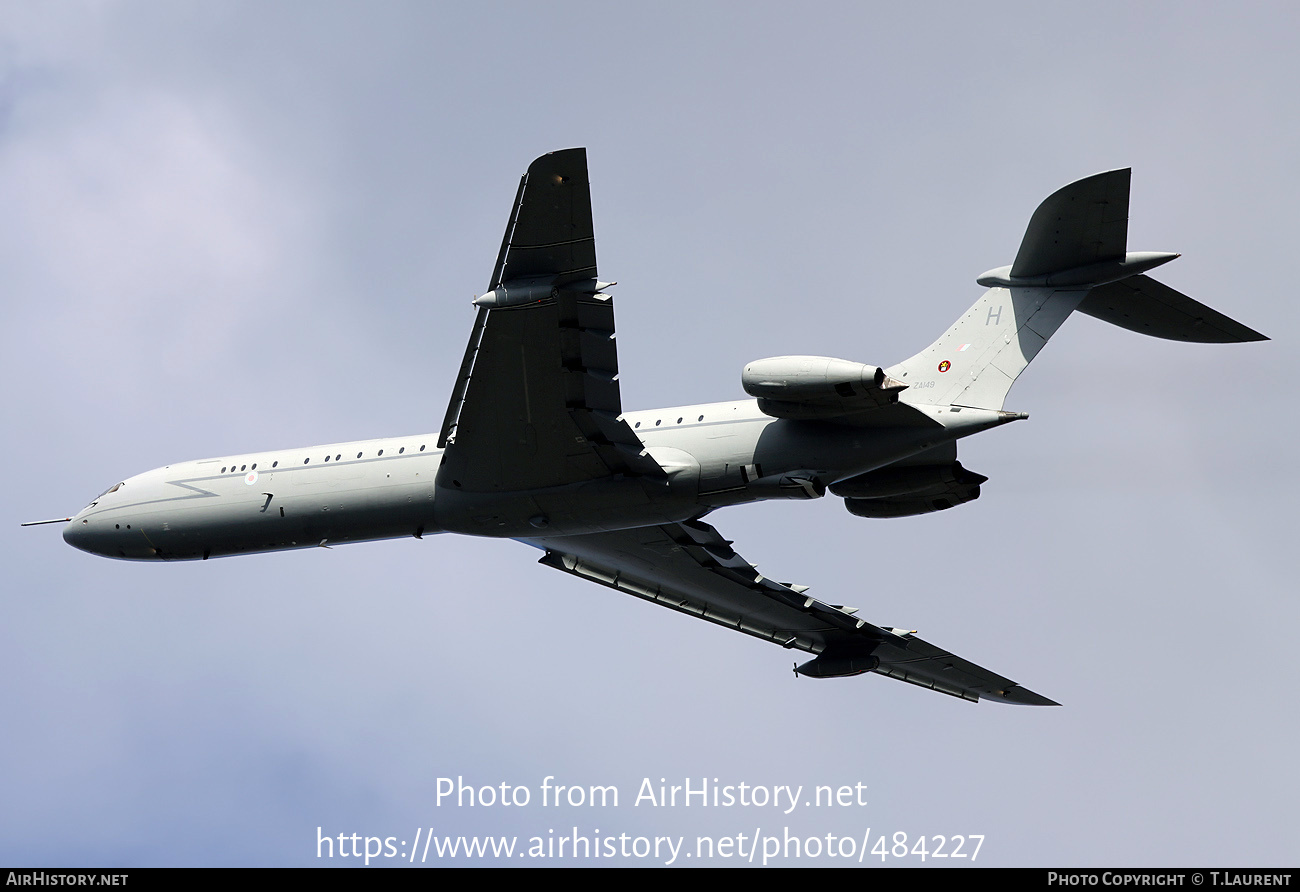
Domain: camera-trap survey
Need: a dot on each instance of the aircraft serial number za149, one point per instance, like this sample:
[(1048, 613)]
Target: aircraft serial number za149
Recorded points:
[(536, 446)]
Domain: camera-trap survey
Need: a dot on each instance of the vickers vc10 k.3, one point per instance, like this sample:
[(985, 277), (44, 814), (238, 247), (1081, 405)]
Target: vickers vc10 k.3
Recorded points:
[(536, 445)]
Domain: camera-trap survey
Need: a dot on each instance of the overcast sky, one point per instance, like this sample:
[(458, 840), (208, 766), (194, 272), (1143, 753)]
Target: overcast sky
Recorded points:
[(241, 226)]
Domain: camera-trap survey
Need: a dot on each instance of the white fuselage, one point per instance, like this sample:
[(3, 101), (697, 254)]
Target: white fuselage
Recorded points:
[(717, 454)]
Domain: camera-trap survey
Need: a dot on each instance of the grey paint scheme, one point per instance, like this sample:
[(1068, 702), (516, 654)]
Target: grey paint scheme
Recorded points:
[(535, 445)]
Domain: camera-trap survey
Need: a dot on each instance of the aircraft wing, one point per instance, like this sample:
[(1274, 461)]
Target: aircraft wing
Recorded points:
[(537, 400), (690, 568)]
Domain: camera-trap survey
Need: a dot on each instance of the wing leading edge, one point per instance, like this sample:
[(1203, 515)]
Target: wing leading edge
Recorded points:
[(689, 567)]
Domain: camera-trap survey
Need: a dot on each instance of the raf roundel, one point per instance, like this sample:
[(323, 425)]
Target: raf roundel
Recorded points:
[(250, 478), (945, 365)]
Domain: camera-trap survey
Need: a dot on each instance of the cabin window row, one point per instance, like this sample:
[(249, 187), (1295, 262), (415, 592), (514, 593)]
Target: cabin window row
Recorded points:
[(660, 421), (306, 461)]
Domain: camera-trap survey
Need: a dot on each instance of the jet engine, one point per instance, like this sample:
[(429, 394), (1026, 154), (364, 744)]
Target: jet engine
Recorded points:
[(811, 387), (902, 492)]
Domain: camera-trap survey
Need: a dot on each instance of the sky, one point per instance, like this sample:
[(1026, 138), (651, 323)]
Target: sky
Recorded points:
[(247, 226)]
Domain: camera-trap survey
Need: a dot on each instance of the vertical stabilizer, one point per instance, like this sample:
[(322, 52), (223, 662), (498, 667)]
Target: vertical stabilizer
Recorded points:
[(975, 362), (1076, 238)]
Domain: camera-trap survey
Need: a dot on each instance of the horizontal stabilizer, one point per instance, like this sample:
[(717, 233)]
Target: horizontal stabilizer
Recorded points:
[(1083, 223), (1144, 305)]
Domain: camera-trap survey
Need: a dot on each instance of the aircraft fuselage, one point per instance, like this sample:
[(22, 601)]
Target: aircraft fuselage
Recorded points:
[(715, 454)]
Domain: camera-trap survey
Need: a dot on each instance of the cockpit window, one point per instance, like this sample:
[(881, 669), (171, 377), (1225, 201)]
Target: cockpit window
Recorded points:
[(113, 488)]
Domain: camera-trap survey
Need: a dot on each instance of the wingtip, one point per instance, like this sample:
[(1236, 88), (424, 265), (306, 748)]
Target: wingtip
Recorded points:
[(575, 153), (1024, 697)]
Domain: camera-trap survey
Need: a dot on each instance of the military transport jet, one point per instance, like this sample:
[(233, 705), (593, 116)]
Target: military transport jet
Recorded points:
[(536, 445)]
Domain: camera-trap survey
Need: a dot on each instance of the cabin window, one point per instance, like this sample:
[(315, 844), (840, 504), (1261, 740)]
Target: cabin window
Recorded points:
[(381, 452), (400, 451), (306, 461), (327, 458), (358, 455)]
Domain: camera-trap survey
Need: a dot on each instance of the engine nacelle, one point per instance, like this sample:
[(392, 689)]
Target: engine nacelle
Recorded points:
[(809, 387), (905, 491)]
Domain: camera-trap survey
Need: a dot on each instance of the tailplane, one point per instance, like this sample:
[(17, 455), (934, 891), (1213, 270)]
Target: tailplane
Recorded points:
[(1074, 256)]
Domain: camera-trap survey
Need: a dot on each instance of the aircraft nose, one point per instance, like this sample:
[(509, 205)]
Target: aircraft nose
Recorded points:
[(77, 534), (110, 538), (82, 534)]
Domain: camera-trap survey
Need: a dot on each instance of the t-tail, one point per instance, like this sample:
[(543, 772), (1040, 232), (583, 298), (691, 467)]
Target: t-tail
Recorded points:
[(1074, 257)]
